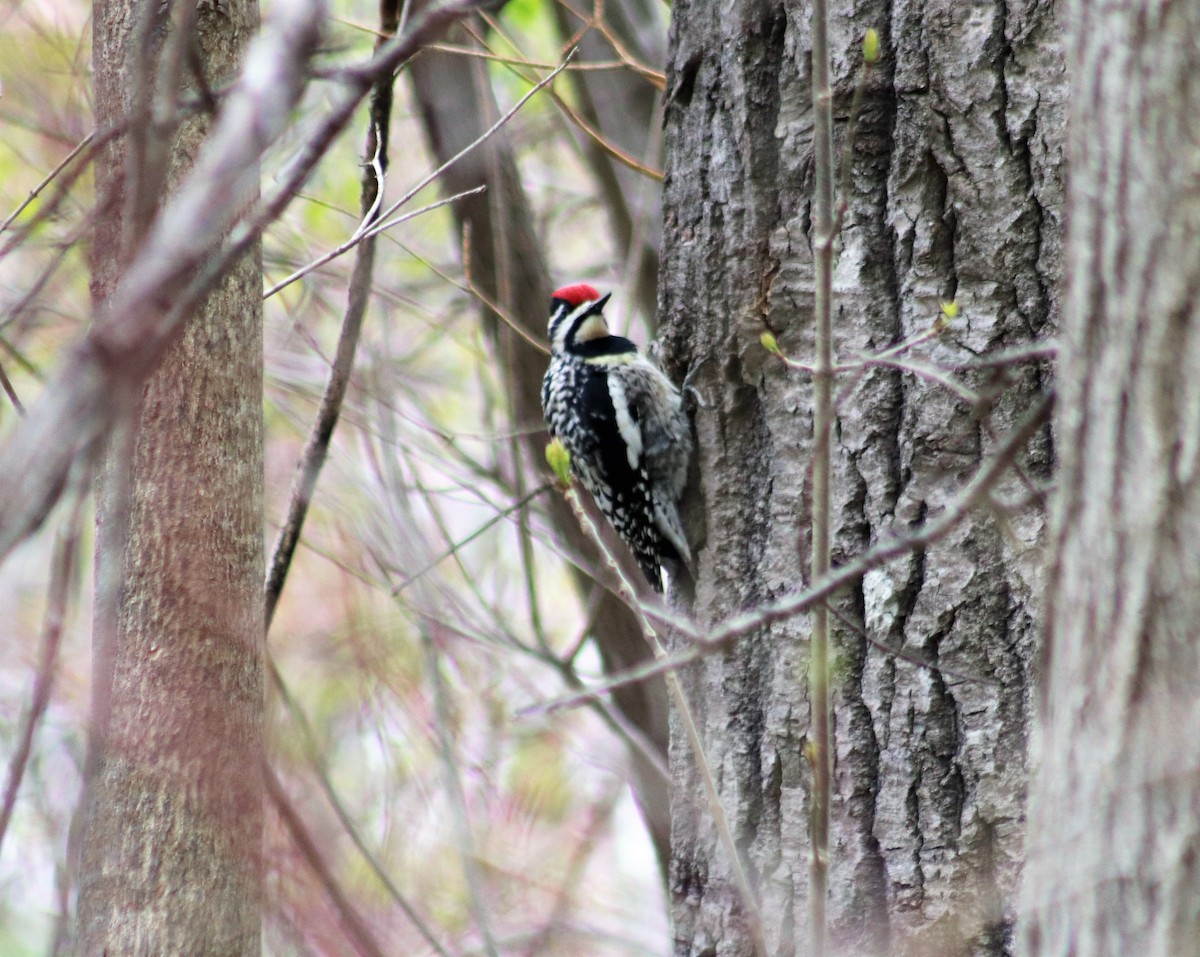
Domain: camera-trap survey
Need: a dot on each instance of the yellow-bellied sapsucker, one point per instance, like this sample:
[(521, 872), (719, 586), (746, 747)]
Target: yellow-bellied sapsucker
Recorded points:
[(623, 423)]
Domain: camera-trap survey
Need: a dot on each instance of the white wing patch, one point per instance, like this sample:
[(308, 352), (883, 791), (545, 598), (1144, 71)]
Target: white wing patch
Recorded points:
[(666, 517), (631, 432)]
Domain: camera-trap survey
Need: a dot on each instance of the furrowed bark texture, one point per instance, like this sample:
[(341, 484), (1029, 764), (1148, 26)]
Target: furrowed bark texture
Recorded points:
[(955, 193), (1114, 819), (171, 857)]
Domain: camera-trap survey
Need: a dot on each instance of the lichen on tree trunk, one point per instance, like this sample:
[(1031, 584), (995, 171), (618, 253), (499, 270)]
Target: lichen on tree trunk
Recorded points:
[(955, 194)]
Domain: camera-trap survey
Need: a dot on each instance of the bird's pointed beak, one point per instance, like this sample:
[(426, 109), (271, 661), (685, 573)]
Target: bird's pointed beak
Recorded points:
[(599, 304)]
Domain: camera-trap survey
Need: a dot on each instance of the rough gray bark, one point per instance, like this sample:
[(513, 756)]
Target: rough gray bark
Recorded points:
[(955, 193), (1114, 819), (171, 853)]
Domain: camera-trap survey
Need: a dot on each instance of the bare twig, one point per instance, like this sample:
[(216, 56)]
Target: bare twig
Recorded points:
[(819, 747), (1030, 352), (430, 177), (911, 657), (458, 801), (632, 162), (63, 572), (930, 373), (18, 309), (629, 593), (592, 66), (130, 335), (316, 449), (363, 233), (598, 23), (460, 543), (353, 923), (508, 320), (312, 752), (586, 125), (719, 638), (49, 178), (9, 391)]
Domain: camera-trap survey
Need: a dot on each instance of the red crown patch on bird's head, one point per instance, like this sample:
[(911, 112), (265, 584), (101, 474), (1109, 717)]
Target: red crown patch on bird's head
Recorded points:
[(577, 294)]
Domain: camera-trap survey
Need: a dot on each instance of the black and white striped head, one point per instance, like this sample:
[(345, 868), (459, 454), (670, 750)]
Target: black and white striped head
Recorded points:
[(576, 317)]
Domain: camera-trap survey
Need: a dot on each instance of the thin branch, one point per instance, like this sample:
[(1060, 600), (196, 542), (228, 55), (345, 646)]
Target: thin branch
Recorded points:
[(462, 542), (103, 373), (363, 233), (500, 311), (429, 178), (819, 746), (312, 753), (713, 799), (9, 391), (353, 923), (600, 140), (458, 800), (49, 178), (62, 575), (316, 449), (587, 127), (910, 656), (592, 66), (788, 606), (35, 289), (930, 373), (1031, 352), (597, 23)]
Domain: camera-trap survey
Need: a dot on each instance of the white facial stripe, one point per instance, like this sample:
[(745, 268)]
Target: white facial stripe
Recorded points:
[(593, 327), (559, 324), (631, 432)]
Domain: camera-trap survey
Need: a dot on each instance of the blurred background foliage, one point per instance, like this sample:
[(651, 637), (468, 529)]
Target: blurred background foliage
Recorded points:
[(429, 605)]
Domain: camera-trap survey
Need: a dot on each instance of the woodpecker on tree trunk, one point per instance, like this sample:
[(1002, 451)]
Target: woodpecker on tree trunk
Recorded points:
[(623, 423)]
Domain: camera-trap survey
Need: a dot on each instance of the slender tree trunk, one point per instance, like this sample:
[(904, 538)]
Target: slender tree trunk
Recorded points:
[(457, 107), (954, 194), (171, 855), (1114, 821)]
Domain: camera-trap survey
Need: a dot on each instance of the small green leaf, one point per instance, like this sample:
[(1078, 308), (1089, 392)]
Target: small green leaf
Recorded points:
[(770, 344), (560, 461), (871, 46), (950, 309)]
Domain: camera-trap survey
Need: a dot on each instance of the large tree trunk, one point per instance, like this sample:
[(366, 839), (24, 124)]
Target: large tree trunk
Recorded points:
[(1114, 828), (955, 193), (173, 831)]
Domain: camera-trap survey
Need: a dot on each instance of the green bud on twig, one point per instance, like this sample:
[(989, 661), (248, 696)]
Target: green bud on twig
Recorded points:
[(769, 343), (948, 314), (871, 46), (560, 461)]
